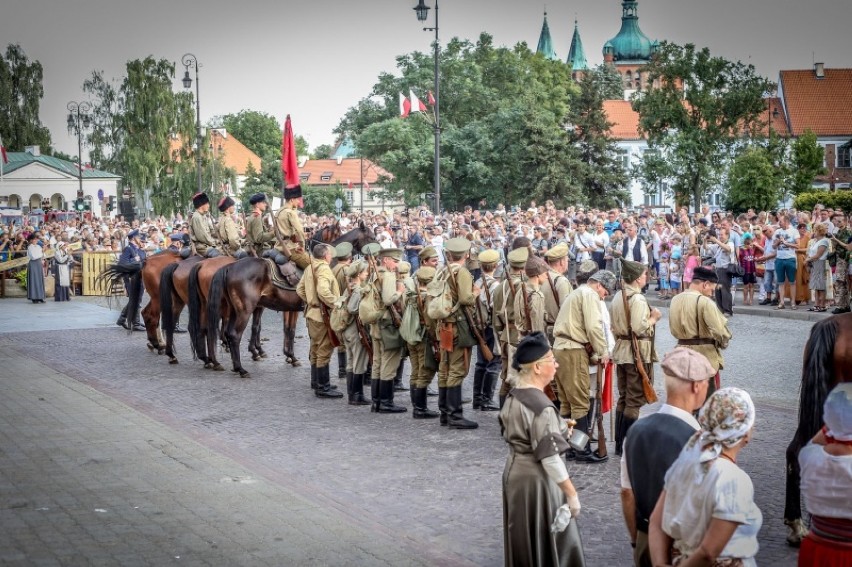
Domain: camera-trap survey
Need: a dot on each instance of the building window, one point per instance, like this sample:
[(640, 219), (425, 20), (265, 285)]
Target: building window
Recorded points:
[(326, 176), (628, 80), (350, 196), (622, 156), (304, 176), (843, 156)]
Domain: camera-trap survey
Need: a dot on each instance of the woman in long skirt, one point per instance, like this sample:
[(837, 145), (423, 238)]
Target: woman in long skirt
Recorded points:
[(62, 262), (35, 270)]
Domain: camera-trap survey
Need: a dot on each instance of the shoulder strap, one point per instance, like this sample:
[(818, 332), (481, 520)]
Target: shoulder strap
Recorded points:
[(697, 319), (553, 289)]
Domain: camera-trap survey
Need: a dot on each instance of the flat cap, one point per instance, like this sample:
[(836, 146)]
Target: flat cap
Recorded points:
[(489, 256), (631, 271), (533, 347), (343, 250), (557, 252), (395, 253), (425, 274), (686, 364), (371, 249), (428, 252), (458, 245), (605, 278), (403, 267), (518, 257), (586, 269), (702, 274)]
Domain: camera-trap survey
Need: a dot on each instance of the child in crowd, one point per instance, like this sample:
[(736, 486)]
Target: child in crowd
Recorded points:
[(747, 261), (693, 260), (663, 275), (675, 274)]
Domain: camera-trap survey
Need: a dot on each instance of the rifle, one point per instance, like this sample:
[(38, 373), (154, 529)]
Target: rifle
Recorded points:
[(647, 388), (332, 336), (599, 414), (477, 334), (365, 339)]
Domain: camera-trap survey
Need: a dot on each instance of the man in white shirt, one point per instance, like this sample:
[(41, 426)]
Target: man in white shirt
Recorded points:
[(785, 240), (654, 442)]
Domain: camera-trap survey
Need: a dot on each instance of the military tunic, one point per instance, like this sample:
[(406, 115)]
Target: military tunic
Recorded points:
[(326, 292), (454, 365), (357, 357), (229, 235), (529, 304), (290, 228), (694, 318), (504, 315), (202, 232), (257, 237), (421, 377), (556, 291), (385, 361), (488, 286)]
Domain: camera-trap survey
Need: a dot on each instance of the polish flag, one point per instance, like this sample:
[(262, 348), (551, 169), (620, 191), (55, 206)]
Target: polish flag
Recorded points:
[(3, 152), (430, 98), (404, 106), (416, 104), (349, 183)]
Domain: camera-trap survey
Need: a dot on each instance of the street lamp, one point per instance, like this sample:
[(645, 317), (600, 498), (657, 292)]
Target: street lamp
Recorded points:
[(79, 120), (189, 60), (422, 11)]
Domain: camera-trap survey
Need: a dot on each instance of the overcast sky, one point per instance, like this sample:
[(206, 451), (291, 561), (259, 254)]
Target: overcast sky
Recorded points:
[(315, 58)]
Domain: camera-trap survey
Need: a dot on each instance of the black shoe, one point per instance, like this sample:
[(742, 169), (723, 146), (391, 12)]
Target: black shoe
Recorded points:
[(489, 383), (386, 390), (178, 329), (324, 389), (356, 398), (418, 402), (442, 405), (587, 455), (839, 310), (456, 419), (431, 393), (766, 301)]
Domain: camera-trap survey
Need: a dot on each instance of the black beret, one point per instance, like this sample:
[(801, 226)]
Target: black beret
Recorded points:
[(702, 274), (531, 348), (257, 198)]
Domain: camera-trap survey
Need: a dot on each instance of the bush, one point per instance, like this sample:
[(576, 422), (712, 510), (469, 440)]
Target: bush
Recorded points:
[(21, 276), (840, 199)]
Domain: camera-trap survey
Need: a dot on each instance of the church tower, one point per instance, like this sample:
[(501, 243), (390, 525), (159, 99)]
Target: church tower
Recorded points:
[(630, 49), (545, 43), (577, 56)]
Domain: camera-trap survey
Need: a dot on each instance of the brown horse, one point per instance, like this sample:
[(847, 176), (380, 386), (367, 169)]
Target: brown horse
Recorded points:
[(827, 362)]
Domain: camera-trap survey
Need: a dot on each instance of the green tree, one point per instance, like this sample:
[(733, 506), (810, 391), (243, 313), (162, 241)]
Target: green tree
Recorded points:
[(107, 134), (258, 131), (323, 151), (697, 113), (754, 181), (807, 160), (319, 200), (21, 91), (607, 80)]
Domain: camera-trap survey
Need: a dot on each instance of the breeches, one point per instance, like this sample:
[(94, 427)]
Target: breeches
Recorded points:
[(573, 379), (321, 348), (453, 367), (421, 377), (385, 361), (631, 395), (492, 367), (356, 355)]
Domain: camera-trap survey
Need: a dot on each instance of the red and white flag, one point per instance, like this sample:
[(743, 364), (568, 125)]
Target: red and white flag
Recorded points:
[(430, 98), (366, 185), (404, 106), (416, 104), (349, 183), (3, 152)]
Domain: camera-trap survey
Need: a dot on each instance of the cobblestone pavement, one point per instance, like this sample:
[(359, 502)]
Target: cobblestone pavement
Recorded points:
[(422, 493)]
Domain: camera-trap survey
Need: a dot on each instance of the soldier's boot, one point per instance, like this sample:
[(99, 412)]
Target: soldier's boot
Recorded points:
[(341, 365), (456, 413), (375, 400), (418, 402), (478, 377), (358, 391), (442, 404), (386, 394), (593, 413), (324, 389), (587, 455), (313, 377), (398, 386), (489, 383), (122, 319), (619, 432)]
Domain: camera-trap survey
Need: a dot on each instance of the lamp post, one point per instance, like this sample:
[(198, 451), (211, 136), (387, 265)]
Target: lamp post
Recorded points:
[(78, 120), (422, 11), (190, 60)]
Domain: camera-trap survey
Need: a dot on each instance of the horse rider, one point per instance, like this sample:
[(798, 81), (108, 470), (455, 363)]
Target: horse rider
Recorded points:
[(201, 227), (289, 230), (486, 374), (258, 238), (343, 255), (133, 253), (318, 289)]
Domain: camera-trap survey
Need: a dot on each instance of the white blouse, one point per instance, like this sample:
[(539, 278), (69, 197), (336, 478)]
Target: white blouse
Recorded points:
[(826, 482), (35, 252)]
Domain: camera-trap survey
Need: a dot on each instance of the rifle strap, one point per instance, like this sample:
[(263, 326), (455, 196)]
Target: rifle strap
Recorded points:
[(553, 289)]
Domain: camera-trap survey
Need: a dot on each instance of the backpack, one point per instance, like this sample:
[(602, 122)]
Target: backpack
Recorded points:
[(410, 328), (371, 308), (440, 297), (340, 317)]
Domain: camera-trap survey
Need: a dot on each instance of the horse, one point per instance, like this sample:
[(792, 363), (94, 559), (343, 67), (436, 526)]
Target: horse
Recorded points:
[(827, 361)]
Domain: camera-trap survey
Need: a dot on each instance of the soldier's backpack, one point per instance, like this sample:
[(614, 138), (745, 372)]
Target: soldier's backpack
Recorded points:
[(371, 308), (340, 317), (410, 327), (440, 304)]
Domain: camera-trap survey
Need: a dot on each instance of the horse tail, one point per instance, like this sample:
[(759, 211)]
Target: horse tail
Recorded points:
[(115, 273), (817, 376), (214, 299), (167, 287), (194, 308)]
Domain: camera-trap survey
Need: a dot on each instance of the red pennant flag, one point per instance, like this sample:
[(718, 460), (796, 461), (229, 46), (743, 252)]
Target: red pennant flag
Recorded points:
[(606, 395), (289, 161), (430, 98)]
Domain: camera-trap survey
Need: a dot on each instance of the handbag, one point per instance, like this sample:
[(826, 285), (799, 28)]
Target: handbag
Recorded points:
[(734, 268)]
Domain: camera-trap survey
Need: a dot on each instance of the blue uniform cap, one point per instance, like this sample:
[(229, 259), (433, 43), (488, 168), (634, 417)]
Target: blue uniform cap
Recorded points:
[(133, 234)]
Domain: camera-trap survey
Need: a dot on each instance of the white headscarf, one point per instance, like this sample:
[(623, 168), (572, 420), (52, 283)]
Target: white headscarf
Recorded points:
[(838, 412), (725, 419)]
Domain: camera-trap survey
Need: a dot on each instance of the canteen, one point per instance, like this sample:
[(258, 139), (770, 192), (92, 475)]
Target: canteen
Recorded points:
[(578, 439)]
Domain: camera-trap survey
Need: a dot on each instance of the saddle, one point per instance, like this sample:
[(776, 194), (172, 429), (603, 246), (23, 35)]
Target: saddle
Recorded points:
[(283, 276)]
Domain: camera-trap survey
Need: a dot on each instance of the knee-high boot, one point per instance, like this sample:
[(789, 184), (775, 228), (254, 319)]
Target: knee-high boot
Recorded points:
[(619, 432), (478, 378), (341, 364), (489, 383), (456, 418)]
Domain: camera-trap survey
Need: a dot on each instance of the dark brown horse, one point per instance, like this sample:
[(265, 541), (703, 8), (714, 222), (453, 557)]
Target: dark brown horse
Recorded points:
[(827, 362)]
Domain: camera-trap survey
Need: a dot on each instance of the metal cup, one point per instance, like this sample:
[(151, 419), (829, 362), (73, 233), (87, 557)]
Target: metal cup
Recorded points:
[(578, 439)]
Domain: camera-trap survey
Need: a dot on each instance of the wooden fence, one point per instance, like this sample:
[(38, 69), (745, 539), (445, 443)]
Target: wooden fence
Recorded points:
[(92, 265)]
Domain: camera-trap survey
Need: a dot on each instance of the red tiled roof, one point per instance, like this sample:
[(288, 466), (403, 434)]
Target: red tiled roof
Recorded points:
[(821, 105), (625, 120), (233, 152), (348, 170)]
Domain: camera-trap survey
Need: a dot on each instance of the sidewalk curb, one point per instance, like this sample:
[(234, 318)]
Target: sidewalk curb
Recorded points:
[(802, 314)]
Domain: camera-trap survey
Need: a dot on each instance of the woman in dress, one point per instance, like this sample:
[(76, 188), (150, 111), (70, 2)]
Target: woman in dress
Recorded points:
[(826, 464), (815, 260), (535, 481), (706, 514), (62, 262), (35, 270)]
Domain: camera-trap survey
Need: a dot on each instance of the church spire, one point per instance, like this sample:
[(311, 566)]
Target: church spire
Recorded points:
[(576, 55), (545, 43)]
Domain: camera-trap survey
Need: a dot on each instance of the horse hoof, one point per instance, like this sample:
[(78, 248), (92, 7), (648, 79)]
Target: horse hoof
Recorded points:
[(218, 368), (796, 531), (173, 360), (263, 355), (245, 374), (208, 365), (295, 363), (151, 347)]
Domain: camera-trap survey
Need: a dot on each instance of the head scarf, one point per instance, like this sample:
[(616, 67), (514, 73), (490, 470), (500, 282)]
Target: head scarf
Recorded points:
[(725, 420), (838, 412)]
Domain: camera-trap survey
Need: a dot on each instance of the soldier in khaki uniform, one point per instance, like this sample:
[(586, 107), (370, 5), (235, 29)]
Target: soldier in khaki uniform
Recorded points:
[(429, 257), (343, 255), (258, 237), (580, 338), (529, 303), (357, 356), (486, 374), (454, 365), (696, 322), (643, 319), (229, 233), (288, 228), (556, 286), (201, 229), (504, 316), (318, 287), (421, 376), (386, 360), (403, 274)]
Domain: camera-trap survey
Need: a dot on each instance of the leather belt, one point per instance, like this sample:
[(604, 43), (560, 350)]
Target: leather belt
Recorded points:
[(628, 338), (693, 342)]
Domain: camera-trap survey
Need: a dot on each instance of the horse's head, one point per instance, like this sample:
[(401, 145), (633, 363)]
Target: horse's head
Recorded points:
[(358, 237)]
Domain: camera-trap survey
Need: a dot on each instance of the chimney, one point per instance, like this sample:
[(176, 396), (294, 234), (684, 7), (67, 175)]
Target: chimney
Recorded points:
[(339, 160), (34, 151), (819, 70)]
